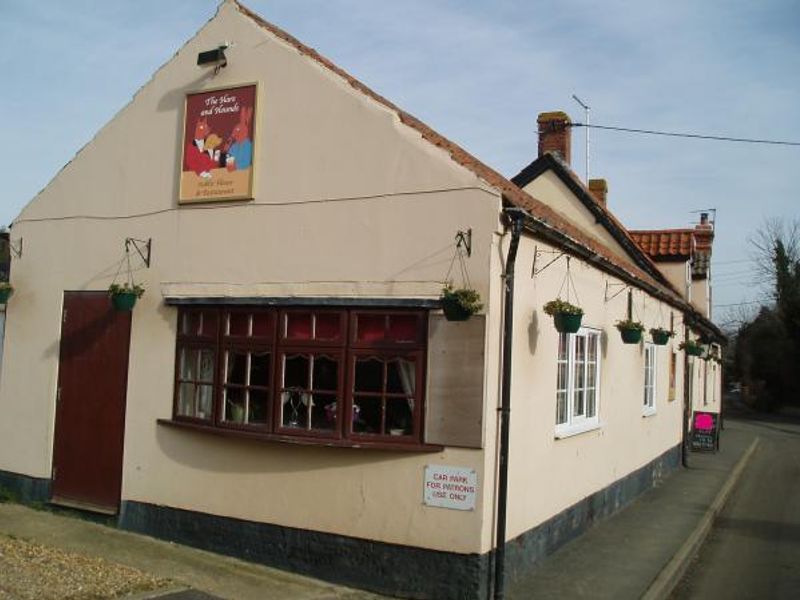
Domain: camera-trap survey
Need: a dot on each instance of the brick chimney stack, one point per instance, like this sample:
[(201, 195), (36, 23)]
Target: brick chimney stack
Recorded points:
[(599, 189), (555, 134), (703, 240)]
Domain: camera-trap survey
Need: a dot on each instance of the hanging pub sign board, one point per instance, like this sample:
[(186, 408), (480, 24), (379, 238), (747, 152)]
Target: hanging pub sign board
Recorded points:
[(219, 135), (705, 432), (450, 487)]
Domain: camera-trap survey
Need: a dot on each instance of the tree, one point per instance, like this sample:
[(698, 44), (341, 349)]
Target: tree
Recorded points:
[(768, 347)]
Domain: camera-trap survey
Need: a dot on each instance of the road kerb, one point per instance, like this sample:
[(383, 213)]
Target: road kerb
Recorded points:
[(669, 577)]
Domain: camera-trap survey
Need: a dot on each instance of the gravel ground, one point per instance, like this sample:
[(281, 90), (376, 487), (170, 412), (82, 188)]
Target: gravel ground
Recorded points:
[(30, 571)]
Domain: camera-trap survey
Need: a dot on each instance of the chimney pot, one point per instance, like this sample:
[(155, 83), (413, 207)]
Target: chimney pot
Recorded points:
[(599, 189), (555, 134)]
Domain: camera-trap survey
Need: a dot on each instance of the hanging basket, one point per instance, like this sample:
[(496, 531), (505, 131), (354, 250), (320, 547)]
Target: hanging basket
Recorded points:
[(460, 304), (5, 293), (631, 336), (660, 336), (567, 323), (631, 331), (123, 297), (124, 300), (692, 348)]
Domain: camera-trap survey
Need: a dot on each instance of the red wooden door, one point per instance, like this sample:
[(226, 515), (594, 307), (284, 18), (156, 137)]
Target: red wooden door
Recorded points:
[(90, 405)]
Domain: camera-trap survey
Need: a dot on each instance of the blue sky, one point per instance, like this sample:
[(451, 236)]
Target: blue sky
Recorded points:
[(479, 73)]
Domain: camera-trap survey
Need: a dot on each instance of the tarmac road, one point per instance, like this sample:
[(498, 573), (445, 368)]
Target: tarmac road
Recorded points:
[(754, 548)]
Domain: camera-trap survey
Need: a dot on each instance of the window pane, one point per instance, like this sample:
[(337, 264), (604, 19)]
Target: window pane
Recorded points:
[(262, 325), (561, 407), (326, 373), (401, 377), (591, 404), (370, 328), (235, 405), (561, 380), (578, 405), (208, 325), (369, 375), (328, 326), (236, 368), (368, 417), (191, 323), (205, 395), (295, 371), (260, 368), (563, 346), (238, 324), (298, 326), (186, 397), (294, 408), (580, 348), (323, 411), (188, 360), (592, 339), (399, 418), (207, 361), (257, 410), (403, 328), (591, 374)]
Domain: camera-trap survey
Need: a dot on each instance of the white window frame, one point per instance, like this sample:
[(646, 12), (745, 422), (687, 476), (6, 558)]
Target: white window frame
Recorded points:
[(650, 379), (575, 421)]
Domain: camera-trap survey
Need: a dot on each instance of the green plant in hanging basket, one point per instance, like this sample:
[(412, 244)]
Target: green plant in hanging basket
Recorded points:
[(566, 317), (459, 304), (630, 330), (124, 296), (660, 335), (6, 289), (691, 347)]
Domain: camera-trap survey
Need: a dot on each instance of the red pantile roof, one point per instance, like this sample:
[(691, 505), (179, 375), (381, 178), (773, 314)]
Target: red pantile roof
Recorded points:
[(666, 244)]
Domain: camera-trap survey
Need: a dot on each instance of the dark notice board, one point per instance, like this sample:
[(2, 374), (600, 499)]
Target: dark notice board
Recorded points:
[(705, 431)]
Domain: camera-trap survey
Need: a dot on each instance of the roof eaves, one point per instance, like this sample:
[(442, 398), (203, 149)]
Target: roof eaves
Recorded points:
[(605, 217)]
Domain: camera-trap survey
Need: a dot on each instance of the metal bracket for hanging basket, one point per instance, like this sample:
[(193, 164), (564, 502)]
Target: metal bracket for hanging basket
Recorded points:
[(622, 287), (464, 240), (143, 248), (536, 253)]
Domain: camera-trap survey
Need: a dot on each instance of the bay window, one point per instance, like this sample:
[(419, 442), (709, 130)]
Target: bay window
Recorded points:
[(321, 374)]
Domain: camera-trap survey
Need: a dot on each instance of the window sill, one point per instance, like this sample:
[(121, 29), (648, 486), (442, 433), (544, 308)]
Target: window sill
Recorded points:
[(572, 430), (298, 441), (649, 412)]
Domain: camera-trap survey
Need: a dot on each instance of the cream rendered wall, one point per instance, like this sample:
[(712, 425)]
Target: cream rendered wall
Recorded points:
[(348, 202), (548, 475), (701, 296), (551, 190), (677, 273)]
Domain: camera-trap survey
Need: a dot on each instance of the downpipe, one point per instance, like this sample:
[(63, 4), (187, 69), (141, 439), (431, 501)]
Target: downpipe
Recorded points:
[(516, 216)]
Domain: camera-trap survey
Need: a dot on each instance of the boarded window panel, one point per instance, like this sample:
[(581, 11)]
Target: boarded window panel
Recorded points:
[(454, 409)]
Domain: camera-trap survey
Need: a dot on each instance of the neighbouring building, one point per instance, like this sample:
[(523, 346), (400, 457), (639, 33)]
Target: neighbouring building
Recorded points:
[(287, 390)]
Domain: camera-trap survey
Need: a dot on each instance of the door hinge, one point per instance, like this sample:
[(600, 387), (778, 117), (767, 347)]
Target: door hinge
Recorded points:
[(58, 395), (64, 317), (55, 471)]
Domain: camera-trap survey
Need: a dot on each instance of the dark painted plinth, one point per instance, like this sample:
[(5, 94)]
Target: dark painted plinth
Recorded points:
[(535, 544), (25, 488), (388, 568), (385, 568)]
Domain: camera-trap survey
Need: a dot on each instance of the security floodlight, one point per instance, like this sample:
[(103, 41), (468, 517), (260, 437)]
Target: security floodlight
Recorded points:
[(215, 58)]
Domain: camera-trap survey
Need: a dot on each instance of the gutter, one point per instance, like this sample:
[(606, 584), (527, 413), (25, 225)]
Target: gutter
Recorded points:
[(516, 216), (541, 229)]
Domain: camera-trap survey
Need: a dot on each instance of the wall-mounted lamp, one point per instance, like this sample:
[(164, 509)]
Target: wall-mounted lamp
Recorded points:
[(215, 58)]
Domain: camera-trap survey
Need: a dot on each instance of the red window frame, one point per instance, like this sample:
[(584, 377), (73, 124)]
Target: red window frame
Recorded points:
[(396, 338)]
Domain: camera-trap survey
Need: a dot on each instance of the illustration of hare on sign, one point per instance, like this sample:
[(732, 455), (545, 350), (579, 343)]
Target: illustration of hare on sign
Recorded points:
[(201, 156), (239, 145)]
